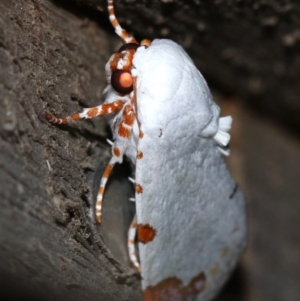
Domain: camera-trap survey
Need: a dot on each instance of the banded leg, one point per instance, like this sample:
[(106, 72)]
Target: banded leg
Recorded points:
[(104, 109), (103, 182), (131, 244)]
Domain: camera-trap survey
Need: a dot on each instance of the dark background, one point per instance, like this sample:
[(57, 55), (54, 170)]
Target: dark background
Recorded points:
[(52, 58)]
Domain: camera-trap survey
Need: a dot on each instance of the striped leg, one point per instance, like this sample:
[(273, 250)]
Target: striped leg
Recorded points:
[(103, 182), (131, 244), (104, 109)]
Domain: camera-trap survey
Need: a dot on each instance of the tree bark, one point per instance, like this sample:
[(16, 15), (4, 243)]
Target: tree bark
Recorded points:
[(52, 58)]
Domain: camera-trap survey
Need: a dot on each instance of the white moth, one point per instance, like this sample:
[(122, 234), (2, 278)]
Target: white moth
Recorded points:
[(190, 215)]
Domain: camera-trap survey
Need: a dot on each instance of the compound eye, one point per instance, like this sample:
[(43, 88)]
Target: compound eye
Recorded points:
[(122, 81), (126, 46)]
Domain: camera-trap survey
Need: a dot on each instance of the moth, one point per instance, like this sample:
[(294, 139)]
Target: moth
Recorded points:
[(190, 214)]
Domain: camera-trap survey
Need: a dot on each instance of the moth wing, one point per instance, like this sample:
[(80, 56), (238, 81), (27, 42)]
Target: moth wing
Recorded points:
[(190, 213), (191, 223)]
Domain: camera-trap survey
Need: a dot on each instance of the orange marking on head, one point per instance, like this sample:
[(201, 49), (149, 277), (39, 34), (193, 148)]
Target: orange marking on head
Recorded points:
[(117, 151), (114, 61), (145, 233), (173, 287), (123, 132), (138, 188), (107, 170), (139, 155), (127, 110), (92, 112), (141, 135), (128, 62)]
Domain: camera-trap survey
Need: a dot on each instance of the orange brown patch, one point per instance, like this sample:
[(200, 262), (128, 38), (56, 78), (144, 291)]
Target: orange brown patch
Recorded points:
[(114, 107), (173, 289), (101, 190), (92, 112), (107, 170), (123, 131), (125, 34), (128, 63), (76, 117), (139, 155), (146, 42), (141, 134), (138, 188), (114, 61), (111, 10), (145, 233), (117, 151), (128, 114), (114, 22)]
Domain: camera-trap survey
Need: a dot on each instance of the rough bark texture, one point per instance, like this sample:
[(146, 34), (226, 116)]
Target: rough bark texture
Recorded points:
[(52, 57), (54, 60)]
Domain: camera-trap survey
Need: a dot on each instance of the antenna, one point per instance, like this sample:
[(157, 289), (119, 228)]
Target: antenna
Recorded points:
[(123, 34)]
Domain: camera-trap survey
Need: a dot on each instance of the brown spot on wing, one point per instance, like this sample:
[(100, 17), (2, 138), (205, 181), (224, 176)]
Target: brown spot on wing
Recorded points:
[(117, 152), (172, 289), (145, 233), (138, 188), (139, 155)]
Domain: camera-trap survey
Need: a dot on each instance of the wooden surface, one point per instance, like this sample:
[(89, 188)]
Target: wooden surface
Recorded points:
[(52, 57)]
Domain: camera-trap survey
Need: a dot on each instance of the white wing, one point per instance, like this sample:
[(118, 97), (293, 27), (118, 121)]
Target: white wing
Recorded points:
[(189, 210)]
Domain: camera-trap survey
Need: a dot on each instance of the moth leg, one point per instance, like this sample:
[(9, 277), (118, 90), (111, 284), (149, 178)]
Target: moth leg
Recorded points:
[(100, 194), (131, 244), (104, 109), (125, 126)]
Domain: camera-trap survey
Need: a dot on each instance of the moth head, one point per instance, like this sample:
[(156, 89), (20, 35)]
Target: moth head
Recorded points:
[(119, 66)]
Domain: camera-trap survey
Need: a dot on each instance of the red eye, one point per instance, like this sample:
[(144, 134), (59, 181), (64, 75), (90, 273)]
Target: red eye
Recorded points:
[(122, 81), (126, 46)]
